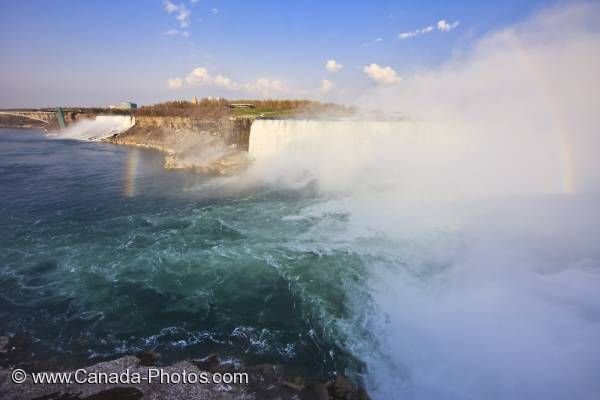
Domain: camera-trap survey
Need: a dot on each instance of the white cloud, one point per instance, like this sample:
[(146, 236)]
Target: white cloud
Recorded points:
[(199, 76), (182, 14), (327, 86), (408, 35), (441, 26), (263, 86), (226, 83), (333, 66), (175, 83), (185, 34), (214, 11), (381, 75), (170, 7)]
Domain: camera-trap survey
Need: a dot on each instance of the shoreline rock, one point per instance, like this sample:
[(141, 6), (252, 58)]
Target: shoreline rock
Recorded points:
[(265, 381)]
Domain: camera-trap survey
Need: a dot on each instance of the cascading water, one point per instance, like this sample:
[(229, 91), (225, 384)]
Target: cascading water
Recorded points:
[(101, 127)]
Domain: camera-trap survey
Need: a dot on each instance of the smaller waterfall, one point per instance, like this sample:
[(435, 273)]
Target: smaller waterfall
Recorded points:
[(96, 129)]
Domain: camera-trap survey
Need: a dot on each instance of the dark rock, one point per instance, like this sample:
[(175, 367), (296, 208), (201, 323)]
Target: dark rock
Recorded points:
[(118, 393), (19, 342), (362, 394), (268, 371), (343, 388), (208, 363), (315, 391), (4, 343), (291, 385), (148, 358)]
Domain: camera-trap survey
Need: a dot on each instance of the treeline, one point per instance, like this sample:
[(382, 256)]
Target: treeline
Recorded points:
[(209, 108), (217, 108)]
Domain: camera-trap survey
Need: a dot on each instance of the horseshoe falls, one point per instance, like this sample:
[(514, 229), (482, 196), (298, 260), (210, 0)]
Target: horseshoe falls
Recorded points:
[(479, 273)]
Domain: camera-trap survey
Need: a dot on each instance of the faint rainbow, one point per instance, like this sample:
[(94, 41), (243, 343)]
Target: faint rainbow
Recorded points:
[(130, 173), (566, 155)]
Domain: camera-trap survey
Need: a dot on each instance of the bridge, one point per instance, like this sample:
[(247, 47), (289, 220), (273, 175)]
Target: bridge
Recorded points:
[(55, 117)]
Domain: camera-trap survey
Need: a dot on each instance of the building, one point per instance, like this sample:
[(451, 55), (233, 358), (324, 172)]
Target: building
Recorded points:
[(124, 106)]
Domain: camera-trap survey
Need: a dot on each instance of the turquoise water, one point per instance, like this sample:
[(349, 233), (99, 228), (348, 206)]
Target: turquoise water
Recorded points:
[(105, 253)]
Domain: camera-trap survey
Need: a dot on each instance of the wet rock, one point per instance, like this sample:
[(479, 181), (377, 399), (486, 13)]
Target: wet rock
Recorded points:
[(315, 391), (267, 371), (19, 342), (4, 343), (208, 363), (148, 358), (343, 388), (362, 394), (291, 385)]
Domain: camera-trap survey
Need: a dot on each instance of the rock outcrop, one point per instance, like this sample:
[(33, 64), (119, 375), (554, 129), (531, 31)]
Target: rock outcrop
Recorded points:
[(208, 146)]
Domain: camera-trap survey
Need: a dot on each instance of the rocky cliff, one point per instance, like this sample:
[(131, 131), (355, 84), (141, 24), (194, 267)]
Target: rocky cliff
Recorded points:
[(215, 146)]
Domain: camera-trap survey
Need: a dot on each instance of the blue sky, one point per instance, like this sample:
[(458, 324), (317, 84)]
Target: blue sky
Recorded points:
[(65, 52)]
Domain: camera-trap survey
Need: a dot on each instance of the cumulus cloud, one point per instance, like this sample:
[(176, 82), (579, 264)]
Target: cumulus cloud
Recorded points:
[(333, 66), (441, 26), (199, 76), (175, 83), (327, 86), (263, 86), (381, 75), (225, 83), (182, 13)]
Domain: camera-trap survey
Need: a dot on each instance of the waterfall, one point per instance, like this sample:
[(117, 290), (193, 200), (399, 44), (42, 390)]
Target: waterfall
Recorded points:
[(96, 129), (409, 155), (268, 137)]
